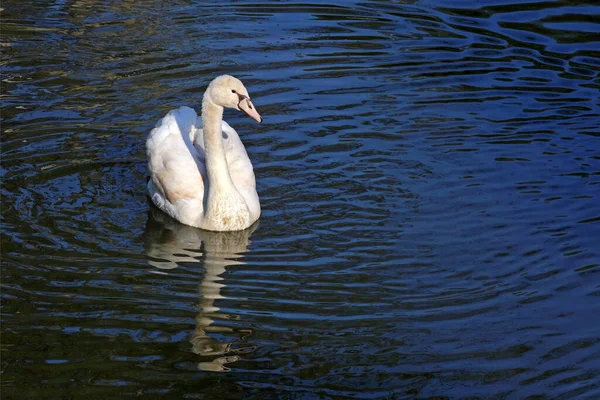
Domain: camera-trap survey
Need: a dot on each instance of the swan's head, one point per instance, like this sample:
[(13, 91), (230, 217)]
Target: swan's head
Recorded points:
[(228, 91)]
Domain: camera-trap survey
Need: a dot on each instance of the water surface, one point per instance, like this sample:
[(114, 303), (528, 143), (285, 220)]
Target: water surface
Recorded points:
[(429, 174)]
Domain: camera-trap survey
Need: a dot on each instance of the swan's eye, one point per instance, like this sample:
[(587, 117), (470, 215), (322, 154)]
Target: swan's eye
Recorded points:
[(233, 91)]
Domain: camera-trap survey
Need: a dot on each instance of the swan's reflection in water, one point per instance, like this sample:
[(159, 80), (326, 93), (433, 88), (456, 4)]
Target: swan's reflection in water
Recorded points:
[(169, 244)]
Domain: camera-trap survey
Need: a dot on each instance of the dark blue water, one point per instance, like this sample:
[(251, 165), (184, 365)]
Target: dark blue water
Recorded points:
[(429, 174)]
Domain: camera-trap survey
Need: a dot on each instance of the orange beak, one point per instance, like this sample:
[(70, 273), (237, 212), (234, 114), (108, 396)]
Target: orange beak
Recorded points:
[(246, 106)]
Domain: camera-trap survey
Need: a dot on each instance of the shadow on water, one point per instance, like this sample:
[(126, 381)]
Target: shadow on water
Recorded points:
[(168, 245)]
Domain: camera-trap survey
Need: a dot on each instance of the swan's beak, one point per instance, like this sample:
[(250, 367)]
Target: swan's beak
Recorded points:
[(246, 106)]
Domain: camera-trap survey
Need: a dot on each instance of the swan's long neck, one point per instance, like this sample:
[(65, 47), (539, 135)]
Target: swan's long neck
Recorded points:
[(219, 180), (225, 208)]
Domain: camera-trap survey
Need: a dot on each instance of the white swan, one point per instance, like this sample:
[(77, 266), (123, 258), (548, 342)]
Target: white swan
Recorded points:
[(203, 177)]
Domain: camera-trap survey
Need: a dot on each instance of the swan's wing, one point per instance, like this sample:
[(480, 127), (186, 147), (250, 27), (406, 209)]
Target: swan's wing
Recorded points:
[(240, 169), (240, 166), (176, 170)]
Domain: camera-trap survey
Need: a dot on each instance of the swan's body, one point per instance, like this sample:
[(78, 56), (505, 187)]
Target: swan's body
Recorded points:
[(200, 173)]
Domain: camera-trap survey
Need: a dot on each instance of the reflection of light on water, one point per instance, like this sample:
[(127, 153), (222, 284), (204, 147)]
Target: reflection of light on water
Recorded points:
[(168, 244)]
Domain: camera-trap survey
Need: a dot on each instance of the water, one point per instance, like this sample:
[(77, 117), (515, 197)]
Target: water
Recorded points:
[(429, 174)]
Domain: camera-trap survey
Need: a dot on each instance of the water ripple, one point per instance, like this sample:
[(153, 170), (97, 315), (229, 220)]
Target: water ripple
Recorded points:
[(428, 173)]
